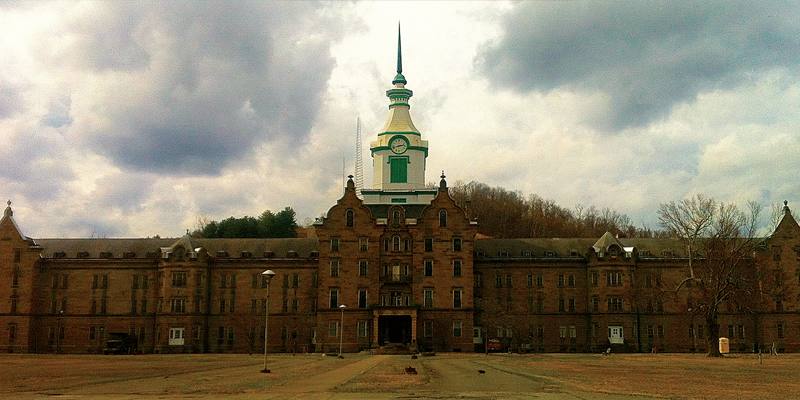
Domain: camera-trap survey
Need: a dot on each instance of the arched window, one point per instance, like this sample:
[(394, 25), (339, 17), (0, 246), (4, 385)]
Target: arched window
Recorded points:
[(396, 216), (442, 217), (396, 243), (349, 217)]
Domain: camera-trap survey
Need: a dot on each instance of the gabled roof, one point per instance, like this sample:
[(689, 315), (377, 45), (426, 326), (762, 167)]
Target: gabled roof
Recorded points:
[(605, 242)]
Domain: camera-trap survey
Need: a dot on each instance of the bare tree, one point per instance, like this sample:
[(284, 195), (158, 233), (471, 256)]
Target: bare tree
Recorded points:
[(720, 237)]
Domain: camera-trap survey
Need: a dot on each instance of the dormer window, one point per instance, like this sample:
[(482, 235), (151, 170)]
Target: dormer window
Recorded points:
[(129, 254), (549, 253), (59, 254), (269, 254), (222, 253), (83, 254), (105, 254), (246, 254)]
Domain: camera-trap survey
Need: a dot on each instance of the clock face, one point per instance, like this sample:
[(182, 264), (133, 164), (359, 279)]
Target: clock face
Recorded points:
[(398, 145)]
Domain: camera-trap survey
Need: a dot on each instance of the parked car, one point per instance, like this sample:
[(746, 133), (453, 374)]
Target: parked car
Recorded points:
[(120, 343), (494, 345)]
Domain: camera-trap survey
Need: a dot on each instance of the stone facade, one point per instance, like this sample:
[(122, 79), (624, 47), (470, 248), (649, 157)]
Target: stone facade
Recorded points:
[(404, 262)]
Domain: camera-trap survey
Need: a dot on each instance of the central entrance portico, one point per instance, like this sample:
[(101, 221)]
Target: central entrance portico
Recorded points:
[(397, 325)]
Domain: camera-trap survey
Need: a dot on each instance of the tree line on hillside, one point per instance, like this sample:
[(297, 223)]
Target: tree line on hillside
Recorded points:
[(503, 213), (281, 224)]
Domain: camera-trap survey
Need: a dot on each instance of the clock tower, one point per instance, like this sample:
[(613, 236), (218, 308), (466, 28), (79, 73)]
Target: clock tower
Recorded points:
[(399, 153)]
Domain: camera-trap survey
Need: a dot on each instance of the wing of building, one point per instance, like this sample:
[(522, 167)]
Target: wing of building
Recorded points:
[(398, 268)]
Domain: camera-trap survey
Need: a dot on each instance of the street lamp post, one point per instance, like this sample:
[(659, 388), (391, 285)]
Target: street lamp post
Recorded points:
[(268, 274), (60, 328), (341, 329)]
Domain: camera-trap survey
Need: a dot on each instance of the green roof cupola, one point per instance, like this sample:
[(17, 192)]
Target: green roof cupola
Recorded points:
[(399, 153)]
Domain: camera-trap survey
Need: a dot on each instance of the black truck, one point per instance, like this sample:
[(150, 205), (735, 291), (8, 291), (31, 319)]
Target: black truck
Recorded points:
[(120, 343)]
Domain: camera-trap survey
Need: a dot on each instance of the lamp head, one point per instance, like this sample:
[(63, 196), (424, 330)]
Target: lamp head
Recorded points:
[(268, 274), (342, 307)]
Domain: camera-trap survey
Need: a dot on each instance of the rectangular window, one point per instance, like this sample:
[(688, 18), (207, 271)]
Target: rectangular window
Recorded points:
[(428, 267), (780, 330), (573, 333), (363, 329), (571, 280), (615, 304), (427, 300), (144, 306), (560, 280), (456, 244), (398, 169), (179, 279), (498, 280), (561, 307), (95, 279), (478, 279), (595, 304), (362, 298), (105, 281), (456, 268), (333, 328), (222, 306), (529, 280), (295, 280), (362, 267), (457, 325), (660, 331), (295, 305), (457, 298), (539, 280), (363, 244), (334, 244), (230, 336), (571, 305), (334, 267), (178, 305), (64, 281), (540, 305), (333, 298), (427, 328), (508, 281), (614, 278), (103, 305), (176, 336), (595, 279), (428, 244)]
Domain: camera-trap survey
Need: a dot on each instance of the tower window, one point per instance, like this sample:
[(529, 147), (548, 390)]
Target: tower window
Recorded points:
[(399, 170), (349, 217)]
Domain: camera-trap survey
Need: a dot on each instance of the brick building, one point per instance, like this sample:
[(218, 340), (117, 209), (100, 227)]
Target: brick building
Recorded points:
[(404, 260)]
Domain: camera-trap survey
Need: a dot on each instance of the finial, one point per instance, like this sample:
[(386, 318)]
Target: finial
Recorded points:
[(350, 184), (786, 206), (187, 231), (9, 203), (442, 183), (350, 177), (8, 212)]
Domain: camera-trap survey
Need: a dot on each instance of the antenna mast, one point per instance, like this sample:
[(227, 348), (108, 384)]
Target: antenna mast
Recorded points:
[(359, 181)]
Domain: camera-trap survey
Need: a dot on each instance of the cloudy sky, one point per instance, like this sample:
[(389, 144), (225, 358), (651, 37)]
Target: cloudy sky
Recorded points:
[(136, 118)]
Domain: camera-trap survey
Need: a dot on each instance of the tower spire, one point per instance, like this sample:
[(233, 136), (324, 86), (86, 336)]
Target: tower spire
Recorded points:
[(399, 78), (399, 51)]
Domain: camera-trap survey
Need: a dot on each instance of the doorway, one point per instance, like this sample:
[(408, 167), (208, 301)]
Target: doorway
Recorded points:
[(394, 329)]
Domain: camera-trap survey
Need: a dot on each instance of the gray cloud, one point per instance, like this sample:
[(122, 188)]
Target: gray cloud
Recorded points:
[(198, 84), (644, 56)]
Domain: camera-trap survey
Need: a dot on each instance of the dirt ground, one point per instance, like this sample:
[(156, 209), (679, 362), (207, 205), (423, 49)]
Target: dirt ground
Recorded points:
[(361, 376)]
